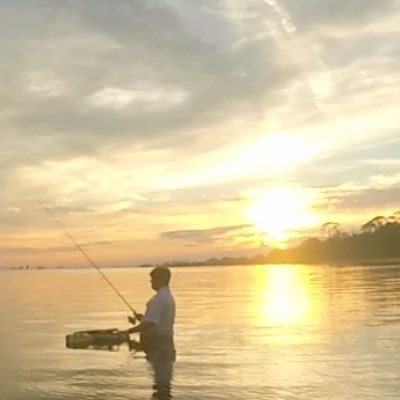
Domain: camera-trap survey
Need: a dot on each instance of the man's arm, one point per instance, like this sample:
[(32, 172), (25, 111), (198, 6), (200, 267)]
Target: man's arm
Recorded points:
[(142, 327), (151, 318)]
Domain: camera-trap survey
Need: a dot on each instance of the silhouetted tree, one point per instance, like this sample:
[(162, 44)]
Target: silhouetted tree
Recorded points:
[(374, 224), (330, 229), (379, 238)]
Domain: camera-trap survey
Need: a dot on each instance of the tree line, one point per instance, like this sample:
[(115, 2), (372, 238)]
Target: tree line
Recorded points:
[(377, 239)]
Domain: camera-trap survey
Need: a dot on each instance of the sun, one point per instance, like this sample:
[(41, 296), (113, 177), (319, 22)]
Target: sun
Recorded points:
[(277, 213)]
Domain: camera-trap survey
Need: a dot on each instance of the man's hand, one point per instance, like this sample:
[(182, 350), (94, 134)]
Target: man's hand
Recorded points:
[(136, 317), (139, 317)]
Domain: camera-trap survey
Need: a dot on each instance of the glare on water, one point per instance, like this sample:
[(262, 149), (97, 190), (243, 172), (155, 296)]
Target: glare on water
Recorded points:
[(251, 332)]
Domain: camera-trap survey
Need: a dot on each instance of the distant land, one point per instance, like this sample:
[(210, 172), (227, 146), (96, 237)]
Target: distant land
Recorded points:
[(377, 242)]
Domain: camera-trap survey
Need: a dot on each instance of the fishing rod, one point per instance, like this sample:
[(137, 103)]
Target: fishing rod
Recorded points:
[(83, 252)]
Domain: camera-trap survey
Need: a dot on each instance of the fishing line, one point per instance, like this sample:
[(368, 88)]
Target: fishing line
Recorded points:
[(83, 252)]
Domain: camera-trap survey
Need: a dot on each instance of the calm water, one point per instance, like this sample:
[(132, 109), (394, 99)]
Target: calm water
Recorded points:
[(259, 332)]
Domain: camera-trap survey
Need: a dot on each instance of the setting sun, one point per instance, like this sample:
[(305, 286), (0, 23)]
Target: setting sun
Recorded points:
[(277, 212)]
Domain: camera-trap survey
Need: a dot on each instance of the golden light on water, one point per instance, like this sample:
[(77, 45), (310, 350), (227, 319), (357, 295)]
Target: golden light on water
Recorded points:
[(286, 304), (277, 212), (283, 296)]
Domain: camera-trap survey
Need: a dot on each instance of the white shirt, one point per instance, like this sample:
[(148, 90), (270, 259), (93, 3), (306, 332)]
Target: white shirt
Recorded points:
[(160, 310)]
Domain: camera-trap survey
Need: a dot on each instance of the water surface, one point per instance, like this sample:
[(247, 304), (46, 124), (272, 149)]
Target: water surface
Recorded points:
[(251, 332)]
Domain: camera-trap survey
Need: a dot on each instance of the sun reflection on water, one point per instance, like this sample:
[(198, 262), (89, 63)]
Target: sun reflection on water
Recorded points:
[(285, 301)]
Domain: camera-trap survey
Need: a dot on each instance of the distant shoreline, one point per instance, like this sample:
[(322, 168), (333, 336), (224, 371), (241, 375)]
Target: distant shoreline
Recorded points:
[(375, 244), (333, 263)]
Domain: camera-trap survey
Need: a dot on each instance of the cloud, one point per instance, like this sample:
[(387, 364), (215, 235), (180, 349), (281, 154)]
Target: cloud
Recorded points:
[(67, 82), (329, 14), (351, 162), (364, 201), (153, 99), (17, 250), (382, 162), (34, 250), (195, 237), (99, 52)]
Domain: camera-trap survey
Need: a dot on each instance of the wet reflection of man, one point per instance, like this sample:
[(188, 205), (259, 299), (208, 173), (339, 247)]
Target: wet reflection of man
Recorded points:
[(156, 331)]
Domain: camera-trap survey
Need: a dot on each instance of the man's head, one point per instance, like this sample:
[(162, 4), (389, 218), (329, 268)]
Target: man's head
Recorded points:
[(160, 276)]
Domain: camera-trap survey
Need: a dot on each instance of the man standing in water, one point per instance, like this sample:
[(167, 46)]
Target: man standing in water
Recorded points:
[(156, 331)]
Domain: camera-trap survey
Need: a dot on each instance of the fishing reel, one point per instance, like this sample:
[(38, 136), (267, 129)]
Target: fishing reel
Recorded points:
[(137, 317)]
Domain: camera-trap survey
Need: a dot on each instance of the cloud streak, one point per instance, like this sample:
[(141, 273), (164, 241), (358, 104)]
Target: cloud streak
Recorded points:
[(201, 236)]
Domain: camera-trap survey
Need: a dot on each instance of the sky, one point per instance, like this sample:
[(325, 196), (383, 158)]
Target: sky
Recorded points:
[(187, 129)]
